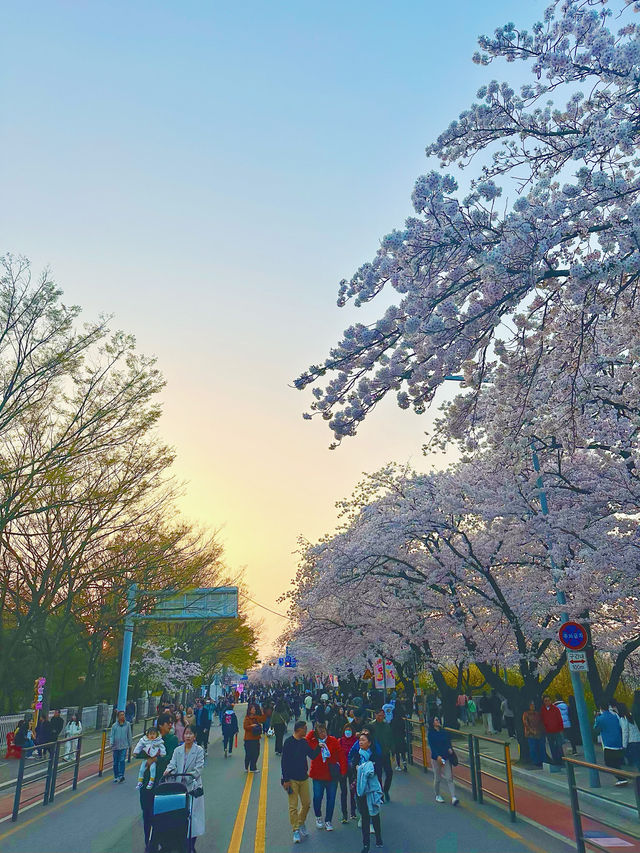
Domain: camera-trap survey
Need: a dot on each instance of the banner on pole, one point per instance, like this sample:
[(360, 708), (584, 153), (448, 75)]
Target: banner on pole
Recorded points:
[(384, 677)]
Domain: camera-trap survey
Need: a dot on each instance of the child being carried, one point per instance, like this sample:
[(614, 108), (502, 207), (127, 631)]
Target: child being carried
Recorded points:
[(153, 746)]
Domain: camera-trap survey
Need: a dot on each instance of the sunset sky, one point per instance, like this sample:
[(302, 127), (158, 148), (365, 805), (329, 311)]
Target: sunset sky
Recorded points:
[(207, 173)]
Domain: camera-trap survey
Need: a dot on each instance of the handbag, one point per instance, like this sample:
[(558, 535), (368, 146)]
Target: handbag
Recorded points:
[(453, 758), (256, 729), (271, 732)]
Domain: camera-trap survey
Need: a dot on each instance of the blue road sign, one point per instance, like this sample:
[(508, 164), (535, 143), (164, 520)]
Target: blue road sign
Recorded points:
[(573, 636)]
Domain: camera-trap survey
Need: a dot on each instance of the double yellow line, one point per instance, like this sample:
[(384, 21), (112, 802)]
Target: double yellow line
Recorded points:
[(241, 817)]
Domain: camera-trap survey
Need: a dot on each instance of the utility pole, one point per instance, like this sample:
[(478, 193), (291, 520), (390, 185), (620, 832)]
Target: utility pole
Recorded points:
[(127, 643), (576, 681)]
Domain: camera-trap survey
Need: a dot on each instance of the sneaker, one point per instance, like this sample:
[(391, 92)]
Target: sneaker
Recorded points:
[(121, 779), (319, 823), (405, 769), (379, 843), (439, 799), (354, 817), (455, 801), (397, 767), (622, 782), (328, 826), (345, 819), (303, 830), (150, 786), (257, 770), (138, 786), (296, 837)]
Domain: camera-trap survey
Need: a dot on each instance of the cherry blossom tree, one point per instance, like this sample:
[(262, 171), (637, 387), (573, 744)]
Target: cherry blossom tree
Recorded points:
[(165, 667)]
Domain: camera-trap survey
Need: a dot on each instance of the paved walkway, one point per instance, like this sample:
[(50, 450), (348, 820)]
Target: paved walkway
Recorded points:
[(248, 814)]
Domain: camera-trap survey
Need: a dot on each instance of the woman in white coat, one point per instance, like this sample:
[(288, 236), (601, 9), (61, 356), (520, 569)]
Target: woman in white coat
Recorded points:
[(189, 758), (73, 727)]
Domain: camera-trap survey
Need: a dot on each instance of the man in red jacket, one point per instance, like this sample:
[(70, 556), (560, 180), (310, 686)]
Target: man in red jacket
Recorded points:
[(325, 771), (554, 727)]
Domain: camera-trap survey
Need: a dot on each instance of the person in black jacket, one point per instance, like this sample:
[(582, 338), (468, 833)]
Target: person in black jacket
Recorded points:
[(295, 777), (229, 723), (203, 725)]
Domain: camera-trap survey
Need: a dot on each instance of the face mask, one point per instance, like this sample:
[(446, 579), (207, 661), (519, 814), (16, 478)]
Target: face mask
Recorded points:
[(347, 733)]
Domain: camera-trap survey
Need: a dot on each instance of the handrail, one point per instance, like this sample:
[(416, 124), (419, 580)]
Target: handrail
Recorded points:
[(578, 814)]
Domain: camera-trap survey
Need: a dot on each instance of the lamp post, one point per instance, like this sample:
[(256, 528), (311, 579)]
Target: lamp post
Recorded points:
[(576, 682)]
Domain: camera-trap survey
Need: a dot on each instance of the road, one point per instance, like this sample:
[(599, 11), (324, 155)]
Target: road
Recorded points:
[(248, 814)]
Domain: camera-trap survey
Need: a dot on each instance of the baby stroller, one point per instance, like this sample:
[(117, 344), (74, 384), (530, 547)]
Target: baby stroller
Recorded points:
[(171, 821)]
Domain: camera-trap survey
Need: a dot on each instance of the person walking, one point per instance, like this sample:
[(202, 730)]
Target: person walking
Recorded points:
[(203, 725), (252, 725), (130, 712), (296, 750), (308, 704), (120, 739), (164, 724), (229, 723), (347, 778), (607, 725), (399, 736), (485, 710), (188, 757), (508, 717), (554, 727), (368, 788), (179, 725), (279, 721), (630, 735), (72, 730), (326, 769), (441, 757), (190, 718), (535, 734), (382, 734), (567, 728), (472, 711), (461, 704), (56, 725)]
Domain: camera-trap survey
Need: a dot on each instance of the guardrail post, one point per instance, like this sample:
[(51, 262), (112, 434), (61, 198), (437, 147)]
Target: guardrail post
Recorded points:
[(472, 767), (510, 790), (423, 736), (76, 769), (478, 768), (636, 791), (16, 799), (47, 784), (102, 749), (54, 772), (409, 738), (575, 808)]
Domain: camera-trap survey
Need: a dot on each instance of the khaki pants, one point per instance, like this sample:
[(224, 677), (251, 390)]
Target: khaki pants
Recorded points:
[(298, 790), (440, 772)]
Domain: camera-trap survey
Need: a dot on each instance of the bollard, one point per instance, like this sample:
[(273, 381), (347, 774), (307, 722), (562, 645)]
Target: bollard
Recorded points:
[(575, 809), (103, 746), (472, 768), (423, 736), (76, 769), (510, 791), (16, 799), (478, 769)]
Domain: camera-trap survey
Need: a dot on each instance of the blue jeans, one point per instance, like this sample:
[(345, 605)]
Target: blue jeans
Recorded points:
[(119, 757), (319, 787), (633, 754), (536, 749)]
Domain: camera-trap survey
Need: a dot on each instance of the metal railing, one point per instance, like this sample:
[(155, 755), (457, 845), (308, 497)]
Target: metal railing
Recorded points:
[(43, 783), (578, 813), (478, 773), (417, 743)]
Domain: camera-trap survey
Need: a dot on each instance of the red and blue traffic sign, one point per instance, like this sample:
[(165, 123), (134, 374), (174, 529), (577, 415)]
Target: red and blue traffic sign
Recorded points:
[(573, 636)]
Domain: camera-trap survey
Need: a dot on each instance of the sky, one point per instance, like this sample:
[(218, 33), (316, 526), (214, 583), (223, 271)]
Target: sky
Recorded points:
[(207, 173)]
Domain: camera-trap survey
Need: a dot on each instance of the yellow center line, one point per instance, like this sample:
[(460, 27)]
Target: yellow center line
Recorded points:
[(261, 823), (510, 832), (51, 809), (238, 827)]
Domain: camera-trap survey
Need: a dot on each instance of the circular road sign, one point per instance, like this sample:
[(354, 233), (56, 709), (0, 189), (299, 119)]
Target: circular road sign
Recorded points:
[(573, 636)]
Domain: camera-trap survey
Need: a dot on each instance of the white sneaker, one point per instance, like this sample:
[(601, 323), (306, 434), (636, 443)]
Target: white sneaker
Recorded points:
[(303, 830), (296, 837), (328, 826), (319, 823), (455, 801), (622, 782), (439, 799)]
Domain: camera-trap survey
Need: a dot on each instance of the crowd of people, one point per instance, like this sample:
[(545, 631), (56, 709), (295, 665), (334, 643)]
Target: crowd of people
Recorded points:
[(38, 739)]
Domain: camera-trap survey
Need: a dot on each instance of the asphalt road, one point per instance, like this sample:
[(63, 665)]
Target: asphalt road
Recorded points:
[(248, 814)]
